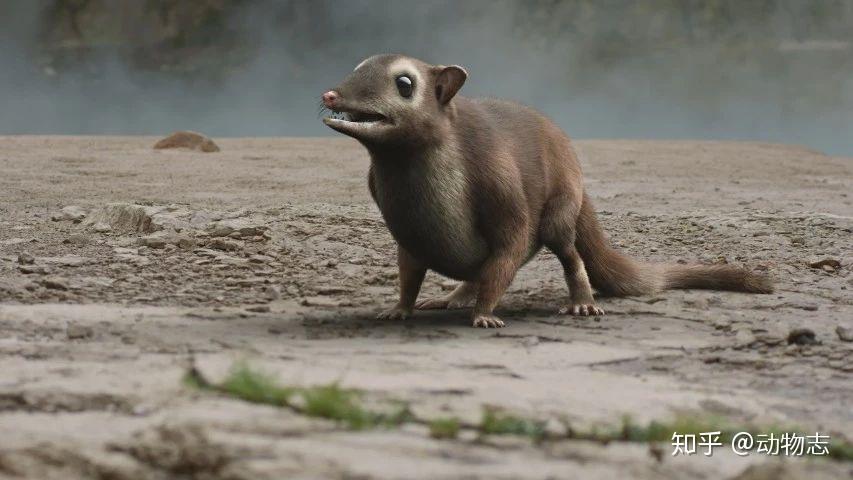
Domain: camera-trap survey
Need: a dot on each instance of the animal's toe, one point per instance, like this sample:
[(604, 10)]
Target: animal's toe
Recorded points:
[(488, 321), (393, 314), (581, 310), (431, 304)]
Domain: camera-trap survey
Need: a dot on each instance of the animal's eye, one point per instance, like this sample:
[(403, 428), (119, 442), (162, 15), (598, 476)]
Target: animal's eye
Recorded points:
[(404, 86)]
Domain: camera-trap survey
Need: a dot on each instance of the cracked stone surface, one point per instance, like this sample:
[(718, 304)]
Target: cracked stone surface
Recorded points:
[(120, 264)]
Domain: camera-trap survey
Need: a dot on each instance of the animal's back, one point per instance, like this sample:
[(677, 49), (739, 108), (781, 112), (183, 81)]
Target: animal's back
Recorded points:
[(522, 142)]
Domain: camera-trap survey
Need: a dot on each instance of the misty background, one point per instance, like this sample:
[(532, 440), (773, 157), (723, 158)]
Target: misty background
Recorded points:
[(764, 70)]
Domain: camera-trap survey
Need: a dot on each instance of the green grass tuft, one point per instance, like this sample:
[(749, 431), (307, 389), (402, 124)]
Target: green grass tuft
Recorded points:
[(495, 422), (345, 406), (841, 450), (328, 401), (339, 404), (445, 428), (254, 386)]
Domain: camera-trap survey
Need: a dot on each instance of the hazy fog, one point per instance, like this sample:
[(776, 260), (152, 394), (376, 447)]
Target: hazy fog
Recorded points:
[(600, 71)]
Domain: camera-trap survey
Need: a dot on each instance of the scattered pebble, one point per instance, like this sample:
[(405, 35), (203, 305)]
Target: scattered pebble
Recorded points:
[(101, 227), (70, 213), (26, 259), (333, 290), (33, 269), (78, 239), (55, 283), (152, 241), (221, 244), (258, 308), (261, 259), (66, 260), (321, 301), (802, 336), (272, 292), (744, 337), (827, 264), (844, 333), (76, 331)]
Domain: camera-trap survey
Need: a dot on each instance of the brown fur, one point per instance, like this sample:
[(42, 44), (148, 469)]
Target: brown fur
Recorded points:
[(473, 188)]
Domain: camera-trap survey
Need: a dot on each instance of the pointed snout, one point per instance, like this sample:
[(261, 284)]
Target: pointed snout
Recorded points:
[(330, 98)]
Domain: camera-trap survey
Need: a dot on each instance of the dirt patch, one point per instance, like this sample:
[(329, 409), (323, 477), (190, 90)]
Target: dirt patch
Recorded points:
[(119, 266)]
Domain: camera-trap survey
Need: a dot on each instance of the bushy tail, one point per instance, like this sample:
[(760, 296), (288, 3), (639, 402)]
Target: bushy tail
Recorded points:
[(614, 274), (716, 277)]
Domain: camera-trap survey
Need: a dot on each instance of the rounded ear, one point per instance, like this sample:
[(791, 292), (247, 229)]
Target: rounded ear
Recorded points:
[(448, 81)]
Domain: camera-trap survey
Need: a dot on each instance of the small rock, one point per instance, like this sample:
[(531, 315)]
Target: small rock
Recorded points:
[(827, 264), (67, 260), (15, 241), (258, 308), (75, 331), (802, 336), (152, 241), (186, 139), (220, 230), (321, 301), (55, 283), (221, 244), (744, 337), (77, 239), (333, 290), (28, 269), (72, 212), (26, 259), (134, 259), (555, 428), (272, 293), (844, 333), (101, 227), (237, 228), (260, 259), (184, 242)]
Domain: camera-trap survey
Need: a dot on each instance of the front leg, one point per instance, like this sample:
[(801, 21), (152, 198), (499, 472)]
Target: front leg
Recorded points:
[(495, 277), (412, 274)]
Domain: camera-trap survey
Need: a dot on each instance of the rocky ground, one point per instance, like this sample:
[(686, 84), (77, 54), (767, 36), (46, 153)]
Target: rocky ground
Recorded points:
[(121, 267)]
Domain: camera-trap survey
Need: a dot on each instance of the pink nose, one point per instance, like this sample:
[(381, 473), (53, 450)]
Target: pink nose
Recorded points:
[(329, 98)]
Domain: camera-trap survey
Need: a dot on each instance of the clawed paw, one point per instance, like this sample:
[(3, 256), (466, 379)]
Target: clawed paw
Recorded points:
[(432, 304), (396, 313), (581, 310), (487, 321), (441, 304)]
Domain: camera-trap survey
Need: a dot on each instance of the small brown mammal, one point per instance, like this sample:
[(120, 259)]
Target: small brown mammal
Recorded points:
[(473, 188)]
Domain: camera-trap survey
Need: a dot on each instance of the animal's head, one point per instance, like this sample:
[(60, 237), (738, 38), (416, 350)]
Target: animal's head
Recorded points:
[(391, 100)]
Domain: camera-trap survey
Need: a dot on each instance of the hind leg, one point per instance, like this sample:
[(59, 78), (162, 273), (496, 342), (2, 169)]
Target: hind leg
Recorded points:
[(462, 296), (558, 234), (580, 290)]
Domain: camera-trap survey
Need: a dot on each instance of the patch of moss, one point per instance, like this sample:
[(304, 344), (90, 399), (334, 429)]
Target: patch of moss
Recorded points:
[(326, 401), (495, 422), (345, 406), (254, 386), (444, 428)]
